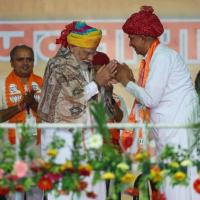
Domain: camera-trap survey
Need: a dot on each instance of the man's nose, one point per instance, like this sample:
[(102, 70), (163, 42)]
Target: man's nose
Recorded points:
[(26, 61)]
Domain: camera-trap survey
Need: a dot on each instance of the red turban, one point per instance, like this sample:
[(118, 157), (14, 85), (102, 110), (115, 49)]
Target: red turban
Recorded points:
[(64, 33), (100, 59), (144, 22)]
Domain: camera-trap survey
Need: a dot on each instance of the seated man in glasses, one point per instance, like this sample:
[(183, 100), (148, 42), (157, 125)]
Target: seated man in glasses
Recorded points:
[(19, 94)]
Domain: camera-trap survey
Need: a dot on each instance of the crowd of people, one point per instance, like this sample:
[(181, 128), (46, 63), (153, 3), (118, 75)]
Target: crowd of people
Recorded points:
[(78, 75)]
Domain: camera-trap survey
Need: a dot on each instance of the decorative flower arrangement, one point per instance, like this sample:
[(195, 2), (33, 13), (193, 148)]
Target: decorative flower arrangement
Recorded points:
[(96, 158)]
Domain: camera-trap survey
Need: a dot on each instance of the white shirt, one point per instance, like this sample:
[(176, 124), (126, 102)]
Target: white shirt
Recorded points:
[(168, 93)]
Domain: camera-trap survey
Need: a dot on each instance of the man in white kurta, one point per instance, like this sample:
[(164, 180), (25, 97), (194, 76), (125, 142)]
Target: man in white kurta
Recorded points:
[(168, 91)]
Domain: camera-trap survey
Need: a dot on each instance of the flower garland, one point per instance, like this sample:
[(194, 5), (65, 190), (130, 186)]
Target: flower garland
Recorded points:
[(101, 160)]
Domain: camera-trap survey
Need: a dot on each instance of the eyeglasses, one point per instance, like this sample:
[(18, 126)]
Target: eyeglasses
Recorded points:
[(27, 59)]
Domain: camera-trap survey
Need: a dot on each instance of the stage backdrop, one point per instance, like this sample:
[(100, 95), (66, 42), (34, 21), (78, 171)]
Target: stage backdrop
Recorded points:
[(38, 23)]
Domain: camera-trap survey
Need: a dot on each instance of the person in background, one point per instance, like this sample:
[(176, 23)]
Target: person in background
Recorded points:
[(69, 87), (19, 94), (115, 106), (164, 92)]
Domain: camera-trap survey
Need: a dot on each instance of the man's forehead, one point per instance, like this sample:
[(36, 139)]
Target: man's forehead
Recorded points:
[(132, 36), (22, 51)]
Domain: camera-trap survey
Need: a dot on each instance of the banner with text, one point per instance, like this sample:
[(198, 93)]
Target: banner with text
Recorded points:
[(182, 35)]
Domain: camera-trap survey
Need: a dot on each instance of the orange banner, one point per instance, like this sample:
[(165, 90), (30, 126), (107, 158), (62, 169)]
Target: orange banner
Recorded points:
[(182, 35)]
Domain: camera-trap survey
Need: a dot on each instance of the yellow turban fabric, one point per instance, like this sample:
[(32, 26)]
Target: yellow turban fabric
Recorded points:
[(84, 36)]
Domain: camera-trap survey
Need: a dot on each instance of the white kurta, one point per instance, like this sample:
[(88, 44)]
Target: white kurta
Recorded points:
[(171, 97)]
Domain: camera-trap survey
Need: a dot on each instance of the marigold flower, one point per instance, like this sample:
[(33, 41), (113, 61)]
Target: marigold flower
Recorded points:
[(179, 176), (156, 174), (108, 176), (20, 168), (85, 170), (82, 185), (174, 164), (52, 152), (138, 157), (45, 184), (196, 185), (46, 165), (68, 166), (123, 166), (128, 178)]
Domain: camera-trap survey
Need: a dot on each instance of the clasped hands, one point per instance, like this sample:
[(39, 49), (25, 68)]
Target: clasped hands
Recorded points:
[(114, 72), (27, 100)]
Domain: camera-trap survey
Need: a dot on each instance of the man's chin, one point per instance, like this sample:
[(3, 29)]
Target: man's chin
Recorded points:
[(24, 75)]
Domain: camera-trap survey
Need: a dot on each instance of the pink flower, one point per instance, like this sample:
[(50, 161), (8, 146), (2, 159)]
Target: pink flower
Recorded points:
[(20, 168), (1, 173)]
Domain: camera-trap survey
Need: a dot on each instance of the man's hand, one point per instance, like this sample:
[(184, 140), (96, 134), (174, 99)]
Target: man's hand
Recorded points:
[(30, 101), (29, 98), (106, 73), (124, 74)]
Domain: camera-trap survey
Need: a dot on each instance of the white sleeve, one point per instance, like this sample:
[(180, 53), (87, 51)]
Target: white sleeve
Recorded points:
[(151, 95), (90, 90)]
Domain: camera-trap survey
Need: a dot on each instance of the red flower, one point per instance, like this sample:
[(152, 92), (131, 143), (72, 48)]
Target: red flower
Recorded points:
[(53, 177), (4, 191), (45, 184), (84, 170), (132, 192), (127, 139), (12, 177), (82, 185), (196, 185), (156, 195), (91, 195), (19, 188), (35, 168)]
